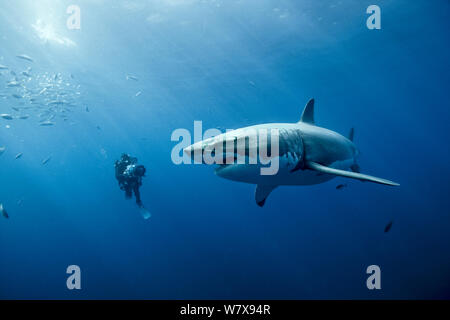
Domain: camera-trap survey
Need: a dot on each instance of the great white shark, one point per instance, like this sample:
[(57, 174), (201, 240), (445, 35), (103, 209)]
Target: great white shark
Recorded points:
[(307, 155)]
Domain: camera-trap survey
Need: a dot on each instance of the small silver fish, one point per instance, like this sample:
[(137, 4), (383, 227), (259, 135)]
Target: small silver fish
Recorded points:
[(24, 57), (388, 226), (2, 67), (2, 150), (13, 84), (19, 155), (6, 116), (130, 77), (46, 160), (46, 123), (56, 103), (3, 211)]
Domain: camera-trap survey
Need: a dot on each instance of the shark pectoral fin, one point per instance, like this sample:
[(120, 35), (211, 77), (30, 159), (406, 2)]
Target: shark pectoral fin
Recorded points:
[(262, 192), (354, 175)]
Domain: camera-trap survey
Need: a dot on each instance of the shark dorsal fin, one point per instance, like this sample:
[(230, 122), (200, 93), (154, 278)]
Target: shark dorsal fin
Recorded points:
[(308, 113)]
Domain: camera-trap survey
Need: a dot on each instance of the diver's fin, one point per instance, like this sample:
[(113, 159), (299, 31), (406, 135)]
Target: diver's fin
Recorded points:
[(144, 212), (262, 192), (351, 134), (354, 175), (308, 113)]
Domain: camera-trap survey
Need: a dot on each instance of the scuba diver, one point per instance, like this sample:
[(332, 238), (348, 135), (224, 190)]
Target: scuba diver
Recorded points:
[(129, 175)]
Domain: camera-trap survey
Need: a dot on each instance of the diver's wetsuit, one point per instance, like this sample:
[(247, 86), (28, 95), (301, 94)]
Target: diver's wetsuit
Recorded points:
[(133, 180), (129, 175)]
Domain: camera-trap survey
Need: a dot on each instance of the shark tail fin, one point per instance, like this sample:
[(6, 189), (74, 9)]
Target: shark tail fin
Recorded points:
[(262, 192), (355, 168), (351, 134)]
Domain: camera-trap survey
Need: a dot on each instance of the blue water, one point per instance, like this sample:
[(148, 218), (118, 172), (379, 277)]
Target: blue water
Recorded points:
[(229, 64)]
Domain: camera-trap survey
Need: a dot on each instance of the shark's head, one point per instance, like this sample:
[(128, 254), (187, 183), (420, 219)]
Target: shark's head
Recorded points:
[(243, 154), (198, 150), (220, 147)]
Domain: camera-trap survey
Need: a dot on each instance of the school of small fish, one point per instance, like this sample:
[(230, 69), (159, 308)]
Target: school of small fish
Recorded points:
[(43, 98)]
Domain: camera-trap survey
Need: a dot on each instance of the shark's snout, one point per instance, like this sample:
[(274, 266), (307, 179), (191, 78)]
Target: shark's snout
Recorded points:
[(194, 149), (188, 150)]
